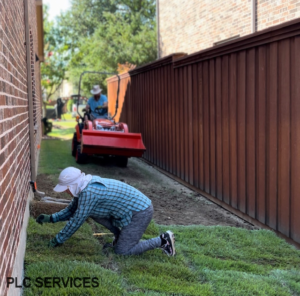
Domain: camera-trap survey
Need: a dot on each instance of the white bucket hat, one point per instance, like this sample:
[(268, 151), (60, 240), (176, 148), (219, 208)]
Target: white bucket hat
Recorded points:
[(96, 90), (73, 179)]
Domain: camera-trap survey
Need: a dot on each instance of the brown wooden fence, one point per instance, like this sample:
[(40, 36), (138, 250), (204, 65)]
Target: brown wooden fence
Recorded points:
[(226, 121)]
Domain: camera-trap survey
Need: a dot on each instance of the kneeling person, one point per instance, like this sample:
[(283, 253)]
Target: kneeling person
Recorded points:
[(119, 207)]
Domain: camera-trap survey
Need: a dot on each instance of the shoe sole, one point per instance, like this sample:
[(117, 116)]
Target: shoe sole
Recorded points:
[(172, 237)]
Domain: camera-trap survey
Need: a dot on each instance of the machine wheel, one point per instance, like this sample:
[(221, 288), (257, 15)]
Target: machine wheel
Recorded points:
[(74, 145), (122, 161), (80, 157)]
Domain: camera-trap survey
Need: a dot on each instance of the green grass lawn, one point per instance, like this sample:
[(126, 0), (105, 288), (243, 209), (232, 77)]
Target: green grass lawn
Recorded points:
[(63, 129), (68, 116), (60, 125), (55, 156), (210, 260)]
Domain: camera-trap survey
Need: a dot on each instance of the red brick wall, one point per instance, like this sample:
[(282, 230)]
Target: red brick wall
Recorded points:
[(14, 127), (272, 12), (192, 25)]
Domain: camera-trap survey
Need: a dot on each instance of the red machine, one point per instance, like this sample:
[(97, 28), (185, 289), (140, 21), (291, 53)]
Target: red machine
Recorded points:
[(105, 137)]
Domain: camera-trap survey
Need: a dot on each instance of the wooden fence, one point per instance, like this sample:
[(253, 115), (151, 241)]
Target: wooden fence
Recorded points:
[(226, 121)]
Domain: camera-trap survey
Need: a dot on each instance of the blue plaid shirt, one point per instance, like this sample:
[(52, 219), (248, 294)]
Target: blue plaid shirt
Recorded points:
[(103, 198)]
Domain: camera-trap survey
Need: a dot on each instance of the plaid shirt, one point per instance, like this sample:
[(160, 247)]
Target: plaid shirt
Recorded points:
[(103, 198)]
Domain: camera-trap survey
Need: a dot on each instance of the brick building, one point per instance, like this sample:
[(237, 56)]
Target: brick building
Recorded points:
[(192, 25), (20, 130)]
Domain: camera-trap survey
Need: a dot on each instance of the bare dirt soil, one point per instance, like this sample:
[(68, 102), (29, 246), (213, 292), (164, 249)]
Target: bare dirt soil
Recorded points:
[(174, 204)]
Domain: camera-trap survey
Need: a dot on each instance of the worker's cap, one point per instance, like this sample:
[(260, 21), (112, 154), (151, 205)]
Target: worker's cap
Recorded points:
[(67, 178), (96, 90)]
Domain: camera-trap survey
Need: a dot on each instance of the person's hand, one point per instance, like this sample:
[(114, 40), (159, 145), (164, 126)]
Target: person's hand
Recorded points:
[(53, 243), (43, 218)]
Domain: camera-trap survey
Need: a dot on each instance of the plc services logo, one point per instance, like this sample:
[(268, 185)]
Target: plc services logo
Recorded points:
[(53, 282)]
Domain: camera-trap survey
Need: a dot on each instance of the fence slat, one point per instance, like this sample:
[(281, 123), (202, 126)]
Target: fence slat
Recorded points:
[(169, 118), (196, 125), (284, 138), (178, 122), (261, 135), (206, 127), (241, 132), (233, 130), (225, 129), (212, 125), (200, 140), (190, 126), (182, 123), (219, 179), (250, 133), (295, 143), (156, 120), (272, 137), (173, 131), (185, 123)]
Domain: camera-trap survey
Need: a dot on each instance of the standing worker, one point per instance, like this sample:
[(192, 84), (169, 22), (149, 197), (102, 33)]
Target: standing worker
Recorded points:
[(59, 108), (119, 207)]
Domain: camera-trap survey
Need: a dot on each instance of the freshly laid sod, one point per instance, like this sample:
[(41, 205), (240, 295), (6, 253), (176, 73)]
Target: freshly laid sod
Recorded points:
[(82, 243), (98, 280), (210, 260)]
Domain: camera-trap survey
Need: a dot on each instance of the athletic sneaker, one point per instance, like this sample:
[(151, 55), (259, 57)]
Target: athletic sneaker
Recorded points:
[(168, 243)]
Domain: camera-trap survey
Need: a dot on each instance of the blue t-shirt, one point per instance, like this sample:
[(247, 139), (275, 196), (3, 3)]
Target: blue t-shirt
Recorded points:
[(101, 113)]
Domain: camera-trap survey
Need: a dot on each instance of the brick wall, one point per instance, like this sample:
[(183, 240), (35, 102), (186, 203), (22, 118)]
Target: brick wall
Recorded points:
[(15, 171), (192, 25), (274, 12)]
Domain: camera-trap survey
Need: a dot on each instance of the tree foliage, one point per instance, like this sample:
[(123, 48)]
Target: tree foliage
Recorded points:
[(53, 70), (101, 34)]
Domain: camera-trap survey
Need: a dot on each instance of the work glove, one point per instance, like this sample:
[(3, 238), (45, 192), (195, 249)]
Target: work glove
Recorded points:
[(54, 243), (43, 218), (99, 107)]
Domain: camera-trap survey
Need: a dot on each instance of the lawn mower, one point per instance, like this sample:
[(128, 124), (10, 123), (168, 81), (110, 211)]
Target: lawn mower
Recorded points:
[(105, 137)]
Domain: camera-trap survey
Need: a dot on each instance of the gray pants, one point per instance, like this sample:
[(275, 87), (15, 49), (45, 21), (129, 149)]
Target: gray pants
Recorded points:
[(129, 237)]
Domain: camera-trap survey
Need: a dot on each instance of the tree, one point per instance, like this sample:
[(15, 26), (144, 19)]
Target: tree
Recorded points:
[(105, 33), (53, 70)]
